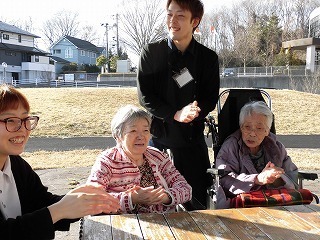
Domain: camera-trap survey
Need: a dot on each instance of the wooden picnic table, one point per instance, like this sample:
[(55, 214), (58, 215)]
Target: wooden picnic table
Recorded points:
[(287, 222)]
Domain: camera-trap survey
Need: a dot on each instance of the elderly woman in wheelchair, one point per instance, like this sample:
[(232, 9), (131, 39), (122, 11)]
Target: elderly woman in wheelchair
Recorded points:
[(252, 160)]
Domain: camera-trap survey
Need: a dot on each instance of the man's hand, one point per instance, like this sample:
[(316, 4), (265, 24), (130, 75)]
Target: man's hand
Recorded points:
[(188, 113)]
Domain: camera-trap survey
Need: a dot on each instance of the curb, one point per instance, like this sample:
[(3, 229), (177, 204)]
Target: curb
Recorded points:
[(65, 144)]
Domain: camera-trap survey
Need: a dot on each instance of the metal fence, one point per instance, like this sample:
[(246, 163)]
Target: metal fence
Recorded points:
[(260, 74), (60, 84), (271, 71)]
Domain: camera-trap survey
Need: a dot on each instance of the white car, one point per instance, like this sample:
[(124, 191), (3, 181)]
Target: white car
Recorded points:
[(228, 72)]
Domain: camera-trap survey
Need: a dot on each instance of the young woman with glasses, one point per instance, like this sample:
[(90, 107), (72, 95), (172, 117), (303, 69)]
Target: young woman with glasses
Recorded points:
[(27, 209)]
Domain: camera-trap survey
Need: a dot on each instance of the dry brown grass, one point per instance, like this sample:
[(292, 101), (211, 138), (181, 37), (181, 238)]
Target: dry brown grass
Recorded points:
[(67, 112), (88, 111)]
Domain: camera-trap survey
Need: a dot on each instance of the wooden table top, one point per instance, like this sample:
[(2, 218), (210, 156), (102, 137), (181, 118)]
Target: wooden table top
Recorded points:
[(288, 223)]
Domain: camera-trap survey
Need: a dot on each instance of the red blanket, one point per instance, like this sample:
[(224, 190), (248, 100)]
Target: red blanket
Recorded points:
[(272, 197)]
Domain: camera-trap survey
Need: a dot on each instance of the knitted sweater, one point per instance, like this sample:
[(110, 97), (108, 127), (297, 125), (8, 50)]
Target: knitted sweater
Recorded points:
[(116, 172)]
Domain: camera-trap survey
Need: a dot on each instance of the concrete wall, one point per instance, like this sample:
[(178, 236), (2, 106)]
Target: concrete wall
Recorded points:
[(267, 82), (276, 82), (299, 83), (117, 77)]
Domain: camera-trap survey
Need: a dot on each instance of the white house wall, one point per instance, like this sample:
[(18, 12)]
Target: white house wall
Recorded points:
[(65, 44), (8, 75), (11, 68), (42, 59), (37, 67), (13, 39)]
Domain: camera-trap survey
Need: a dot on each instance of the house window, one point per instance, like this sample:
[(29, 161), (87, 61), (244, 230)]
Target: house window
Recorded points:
[(68, 53), (83, 53), (5, 36), (19, 38), (57, 51), (93, 55), (36, 58)]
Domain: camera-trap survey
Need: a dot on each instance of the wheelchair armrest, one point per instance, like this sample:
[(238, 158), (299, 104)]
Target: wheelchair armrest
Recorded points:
[(307, 176), (215, 171)]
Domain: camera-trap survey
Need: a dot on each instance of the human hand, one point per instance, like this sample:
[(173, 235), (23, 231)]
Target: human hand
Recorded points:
[(91, 187), (187, 113), (149, 195), (269, 174), (82, 201)]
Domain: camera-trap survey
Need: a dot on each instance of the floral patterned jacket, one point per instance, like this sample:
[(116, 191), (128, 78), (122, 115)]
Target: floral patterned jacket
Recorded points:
[(115, 171)]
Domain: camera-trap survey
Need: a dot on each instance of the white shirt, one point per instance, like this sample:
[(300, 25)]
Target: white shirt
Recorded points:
[(9, 199)]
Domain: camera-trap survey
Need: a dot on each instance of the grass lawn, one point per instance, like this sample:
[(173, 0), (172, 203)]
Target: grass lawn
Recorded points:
[(67, 112)]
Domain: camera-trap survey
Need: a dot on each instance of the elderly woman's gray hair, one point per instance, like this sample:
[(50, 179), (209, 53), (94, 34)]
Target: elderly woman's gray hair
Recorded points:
[(124, 116), (258, 107)]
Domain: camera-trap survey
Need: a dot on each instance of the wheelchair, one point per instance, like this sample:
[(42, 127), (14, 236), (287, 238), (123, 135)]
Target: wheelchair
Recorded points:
[(229, 104)]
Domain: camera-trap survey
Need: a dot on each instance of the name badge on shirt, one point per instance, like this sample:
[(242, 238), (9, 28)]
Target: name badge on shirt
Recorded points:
[(183, 77)]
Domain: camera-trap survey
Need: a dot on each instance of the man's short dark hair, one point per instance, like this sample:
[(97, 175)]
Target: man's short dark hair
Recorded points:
[(194, 6)]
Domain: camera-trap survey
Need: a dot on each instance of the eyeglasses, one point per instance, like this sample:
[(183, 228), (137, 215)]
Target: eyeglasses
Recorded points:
[(13, 124), (248, 129)]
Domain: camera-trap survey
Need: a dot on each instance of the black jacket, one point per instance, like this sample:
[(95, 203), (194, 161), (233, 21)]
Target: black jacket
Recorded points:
[(35, 222), (162, 97)]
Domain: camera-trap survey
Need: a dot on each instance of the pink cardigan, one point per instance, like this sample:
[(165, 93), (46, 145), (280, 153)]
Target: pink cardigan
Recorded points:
[(115, 171)]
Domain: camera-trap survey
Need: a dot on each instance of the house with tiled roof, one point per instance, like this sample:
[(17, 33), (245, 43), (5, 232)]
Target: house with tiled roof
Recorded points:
[(20, 60), (75, 50)]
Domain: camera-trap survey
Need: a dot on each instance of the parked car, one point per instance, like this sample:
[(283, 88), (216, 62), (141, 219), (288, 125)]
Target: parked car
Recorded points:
[(228, 72)]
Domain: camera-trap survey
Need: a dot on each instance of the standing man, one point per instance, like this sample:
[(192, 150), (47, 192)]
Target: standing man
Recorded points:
[(178, 83)]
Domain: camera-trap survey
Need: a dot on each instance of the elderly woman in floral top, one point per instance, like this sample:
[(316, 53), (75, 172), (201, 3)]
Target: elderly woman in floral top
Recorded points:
[(141, 177)]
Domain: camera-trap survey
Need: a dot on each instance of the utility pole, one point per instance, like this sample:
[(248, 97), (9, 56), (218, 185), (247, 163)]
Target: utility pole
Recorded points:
[(117, 22), (4, 65), (117, 32), (107, 47)]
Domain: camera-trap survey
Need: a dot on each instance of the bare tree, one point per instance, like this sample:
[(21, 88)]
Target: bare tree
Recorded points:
[(286, 16), (310, 83), (221, 37), (243, 25), (302, 8), (61, 24), (246, 44), (294, 16), (26, 25), (142, 22), (88, 33), (239, 33)]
